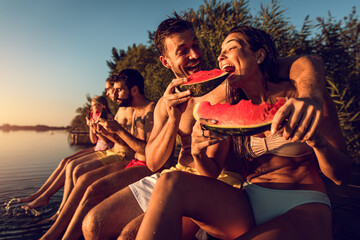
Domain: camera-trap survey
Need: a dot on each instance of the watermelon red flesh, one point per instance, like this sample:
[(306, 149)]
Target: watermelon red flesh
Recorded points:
[(203, 82), (94, 116), (202, 76), (242, 118)]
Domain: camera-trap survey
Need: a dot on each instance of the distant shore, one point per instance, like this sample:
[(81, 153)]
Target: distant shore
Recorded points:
[(8, 127)]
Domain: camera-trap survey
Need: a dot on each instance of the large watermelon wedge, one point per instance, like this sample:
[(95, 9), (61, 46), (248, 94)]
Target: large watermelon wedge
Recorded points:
[(243, 118), (202, 82)]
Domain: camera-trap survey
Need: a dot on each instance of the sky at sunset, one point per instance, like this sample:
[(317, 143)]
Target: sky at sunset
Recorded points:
[(54, 52)]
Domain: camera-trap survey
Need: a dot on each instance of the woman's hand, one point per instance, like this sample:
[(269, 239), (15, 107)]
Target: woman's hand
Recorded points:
[(87, 120), (92, 127), (202, 138), (98, 128)]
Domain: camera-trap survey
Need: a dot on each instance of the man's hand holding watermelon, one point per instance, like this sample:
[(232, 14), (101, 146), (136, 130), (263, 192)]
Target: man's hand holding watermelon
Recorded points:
[(174, 100)]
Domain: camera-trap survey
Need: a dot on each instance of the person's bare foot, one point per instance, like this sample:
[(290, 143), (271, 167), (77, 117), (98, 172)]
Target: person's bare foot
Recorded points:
[(27, 199), (39, 202)]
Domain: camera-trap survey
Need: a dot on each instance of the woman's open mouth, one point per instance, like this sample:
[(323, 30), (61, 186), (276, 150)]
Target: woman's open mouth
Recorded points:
[(228, 68)]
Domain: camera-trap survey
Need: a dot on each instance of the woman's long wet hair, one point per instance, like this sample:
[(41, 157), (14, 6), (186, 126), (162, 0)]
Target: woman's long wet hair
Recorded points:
[(257, 39)]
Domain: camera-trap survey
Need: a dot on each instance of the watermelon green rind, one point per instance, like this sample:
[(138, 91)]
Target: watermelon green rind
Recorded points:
[(201, 88), (238, 131)]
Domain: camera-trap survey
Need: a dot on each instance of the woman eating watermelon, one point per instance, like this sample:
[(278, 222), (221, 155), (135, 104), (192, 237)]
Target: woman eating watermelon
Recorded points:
[(283, 195), (99, 109)]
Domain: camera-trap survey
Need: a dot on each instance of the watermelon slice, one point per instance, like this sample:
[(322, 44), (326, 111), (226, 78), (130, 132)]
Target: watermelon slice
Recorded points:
[(243, 118), (94, 116), (202, 82)]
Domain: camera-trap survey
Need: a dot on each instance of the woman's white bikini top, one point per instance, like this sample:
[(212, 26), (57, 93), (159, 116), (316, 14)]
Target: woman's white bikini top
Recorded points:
[(275, 144)]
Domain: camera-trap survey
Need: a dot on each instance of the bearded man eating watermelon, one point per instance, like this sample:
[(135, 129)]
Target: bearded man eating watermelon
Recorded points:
[(282, 182), (179, 51)]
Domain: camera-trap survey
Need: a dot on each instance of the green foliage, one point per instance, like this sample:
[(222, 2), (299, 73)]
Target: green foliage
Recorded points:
[(115, 58), (211, 23), (348, 117), (146, 61), (272, 20), (79, 122), (337, 42)]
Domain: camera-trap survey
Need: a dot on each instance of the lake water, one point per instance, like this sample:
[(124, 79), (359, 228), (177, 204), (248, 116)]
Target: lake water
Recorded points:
[(27, 159)]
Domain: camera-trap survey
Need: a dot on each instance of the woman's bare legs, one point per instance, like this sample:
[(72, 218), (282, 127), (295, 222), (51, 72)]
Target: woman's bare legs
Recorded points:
[(69, 182), (99, 191), (77, 194), (43, 199), (53, 183), (221, 210)]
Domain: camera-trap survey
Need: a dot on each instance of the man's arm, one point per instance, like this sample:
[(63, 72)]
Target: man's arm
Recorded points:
[(303, 112), (105, 135), (167, 115), (162, 138), (149, 121), (134, 142), (307, 74), (330, 147)]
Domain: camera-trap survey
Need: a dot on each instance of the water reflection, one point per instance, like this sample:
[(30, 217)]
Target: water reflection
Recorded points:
[(27, 159)]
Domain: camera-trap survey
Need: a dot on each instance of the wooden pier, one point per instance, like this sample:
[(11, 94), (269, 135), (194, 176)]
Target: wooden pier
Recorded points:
[(79, 138)]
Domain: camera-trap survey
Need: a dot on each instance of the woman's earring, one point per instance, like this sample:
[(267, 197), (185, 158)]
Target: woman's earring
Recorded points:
[(258, 61)]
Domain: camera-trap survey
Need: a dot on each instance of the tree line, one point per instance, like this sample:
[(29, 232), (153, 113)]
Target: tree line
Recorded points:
[(337, 42)]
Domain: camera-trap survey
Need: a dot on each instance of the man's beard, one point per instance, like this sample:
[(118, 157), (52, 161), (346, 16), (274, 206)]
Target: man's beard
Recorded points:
[(125, 102)]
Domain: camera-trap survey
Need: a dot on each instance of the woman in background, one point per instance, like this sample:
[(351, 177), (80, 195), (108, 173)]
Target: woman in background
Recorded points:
[(99, 107)]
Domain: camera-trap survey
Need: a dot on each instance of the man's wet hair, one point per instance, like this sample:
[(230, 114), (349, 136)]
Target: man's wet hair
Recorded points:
[(131, 77), (169, 27)]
